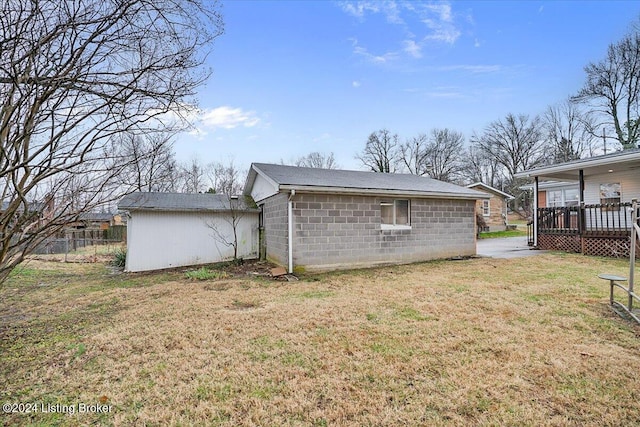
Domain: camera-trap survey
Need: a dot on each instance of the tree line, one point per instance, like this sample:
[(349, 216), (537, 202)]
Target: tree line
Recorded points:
[(603, 116)]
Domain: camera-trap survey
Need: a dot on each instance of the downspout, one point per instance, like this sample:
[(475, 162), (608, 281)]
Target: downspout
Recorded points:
[(290, 233), (535, 213)]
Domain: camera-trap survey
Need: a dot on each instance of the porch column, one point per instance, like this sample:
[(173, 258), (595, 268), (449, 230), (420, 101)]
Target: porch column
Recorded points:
[(535, 212), (581, 212)]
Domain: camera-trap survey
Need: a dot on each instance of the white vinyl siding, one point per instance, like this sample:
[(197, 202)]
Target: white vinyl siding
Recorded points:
[(262, 188), (629, 189), (157, 240), (629, 185)]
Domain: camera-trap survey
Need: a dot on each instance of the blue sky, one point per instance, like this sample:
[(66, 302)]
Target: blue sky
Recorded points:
[(293, 77)]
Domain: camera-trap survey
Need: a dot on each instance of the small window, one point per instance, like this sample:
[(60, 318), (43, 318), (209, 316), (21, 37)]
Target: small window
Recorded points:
[(486, 208), (395, 213), (571, 197), (610, 194), (554, 198)]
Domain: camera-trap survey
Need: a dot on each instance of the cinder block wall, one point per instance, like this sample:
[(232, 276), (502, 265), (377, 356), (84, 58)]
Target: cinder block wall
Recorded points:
[(341, 231), (275, 228)]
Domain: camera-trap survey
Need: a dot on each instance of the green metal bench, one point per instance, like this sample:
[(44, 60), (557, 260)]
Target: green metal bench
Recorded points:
[(615, 305)]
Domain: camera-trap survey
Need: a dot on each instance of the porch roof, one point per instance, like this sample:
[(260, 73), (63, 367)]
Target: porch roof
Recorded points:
[(569, 171)]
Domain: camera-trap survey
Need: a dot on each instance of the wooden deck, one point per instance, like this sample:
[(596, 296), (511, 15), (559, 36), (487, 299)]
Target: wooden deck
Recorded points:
[(600, 230)]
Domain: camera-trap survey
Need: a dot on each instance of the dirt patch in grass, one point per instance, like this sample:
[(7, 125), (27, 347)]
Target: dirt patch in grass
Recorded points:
[(477, 342)]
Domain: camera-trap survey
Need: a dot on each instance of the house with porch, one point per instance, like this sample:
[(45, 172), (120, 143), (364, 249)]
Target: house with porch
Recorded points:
[(599, 222)]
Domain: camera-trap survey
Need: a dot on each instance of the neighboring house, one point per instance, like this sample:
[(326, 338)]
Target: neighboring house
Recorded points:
[(41, 212), (598, 223), (167, 230), (93, 220), (494, 209), (328, 219)]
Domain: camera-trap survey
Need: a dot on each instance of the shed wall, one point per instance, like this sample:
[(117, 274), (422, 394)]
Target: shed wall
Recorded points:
[(158, 240), (341, 231)]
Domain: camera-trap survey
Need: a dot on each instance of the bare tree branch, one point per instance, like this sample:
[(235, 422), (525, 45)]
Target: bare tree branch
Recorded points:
[(381, 153), (318, 160), (226, 178), (570, 132), (74, 75), (612, 89)]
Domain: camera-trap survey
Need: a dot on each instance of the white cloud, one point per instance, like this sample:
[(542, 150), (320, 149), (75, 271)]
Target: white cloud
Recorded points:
[(228, 118), (419, 23), (475, 69), (445, 94), (356, 83), (358, 9), (376, 59), (412, 48), (438, 18)]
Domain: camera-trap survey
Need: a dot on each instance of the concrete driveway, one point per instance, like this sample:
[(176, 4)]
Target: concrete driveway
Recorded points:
[(506, 247)]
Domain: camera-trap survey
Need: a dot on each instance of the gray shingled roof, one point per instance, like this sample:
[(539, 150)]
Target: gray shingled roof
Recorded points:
[(96, 216), (330, 178), (182, 202), (33, 206)]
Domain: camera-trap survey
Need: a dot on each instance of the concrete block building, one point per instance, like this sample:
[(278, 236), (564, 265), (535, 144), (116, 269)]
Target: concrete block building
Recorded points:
[(320, 219)]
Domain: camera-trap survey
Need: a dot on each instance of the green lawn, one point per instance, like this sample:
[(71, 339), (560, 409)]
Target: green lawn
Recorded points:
[(497, 234)]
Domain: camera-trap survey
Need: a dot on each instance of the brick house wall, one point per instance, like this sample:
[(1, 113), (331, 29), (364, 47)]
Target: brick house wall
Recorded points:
[(494, 221), (343, 231)]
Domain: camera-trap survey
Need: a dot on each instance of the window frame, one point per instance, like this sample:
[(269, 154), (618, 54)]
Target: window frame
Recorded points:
[(486, 210), (395, 225)]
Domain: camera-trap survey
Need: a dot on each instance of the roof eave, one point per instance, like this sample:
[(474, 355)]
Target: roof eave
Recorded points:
[(160, 209), (490, 188), (577, 165), (381, 192)]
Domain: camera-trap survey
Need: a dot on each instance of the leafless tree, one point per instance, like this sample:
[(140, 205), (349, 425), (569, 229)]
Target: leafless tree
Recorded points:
[(444, 154), (612, 89), (414, 155), (438, 156), (482, 167), (73, 76), (226, 178), (150, 163), (516, 142), (238, 207), (193, 176), (381, 153), (318, 160), (570, 132)]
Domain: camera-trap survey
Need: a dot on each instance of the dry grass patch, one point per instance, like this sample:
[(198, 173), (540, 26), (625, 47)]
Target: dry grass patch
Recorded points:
[(477, 342)]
